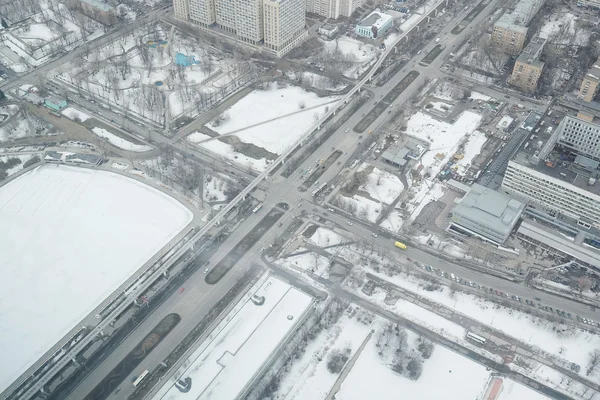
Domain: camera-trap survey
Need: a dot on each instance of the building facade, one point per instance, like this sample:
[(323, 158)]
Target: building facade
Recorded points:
[(487, 213), (588, 3), (590, 84), (201, 12), (284, 24), (580, 136), (552, 193), (99, 11), (333, 9), (374, 25), (528, 68), (279, 25), (510, 30), (508, 38)]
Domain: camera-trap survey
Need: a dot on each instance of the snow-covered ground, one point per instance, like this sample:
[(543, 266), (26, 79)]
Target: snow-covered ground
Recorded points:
[(282, 115), (75, 114), (444, 138), (215, 188), (562, 28), (479, 96), (324, 237), (312, 262), (382, 185), (472, 148), (23, 158), (120, 142), (440, 106), (445, 375), (227, 151), (564, 341), (322, 82), (308, 377), (226, 362), (74, 242), (512, 390), (393, 222), (359, 56)]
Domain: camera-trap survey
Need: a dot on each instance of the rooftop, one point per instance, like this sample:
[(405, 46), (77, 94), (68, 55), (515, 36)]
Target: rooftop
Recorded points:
[(490, 207), (100, 5), (55, 99), (376, 19), (593, 73), (520, 17), (530, 54)]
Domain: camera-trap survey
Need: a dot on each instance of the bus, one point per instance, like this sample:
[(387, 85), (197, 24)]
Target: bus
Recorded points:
[(258, 207), (319, 189), (475, 338), (140, 378), (400, 245)]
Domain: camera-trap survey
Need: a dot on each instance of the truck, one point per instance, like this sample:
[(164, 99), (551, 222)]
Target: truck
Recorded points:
[(437, 40), (400, 245)]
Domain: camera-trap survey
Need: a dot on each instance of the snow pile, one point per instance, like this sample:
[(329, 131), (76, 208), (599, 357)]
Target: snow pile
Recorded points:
[(75, 236), (73, 113), (120, 142)]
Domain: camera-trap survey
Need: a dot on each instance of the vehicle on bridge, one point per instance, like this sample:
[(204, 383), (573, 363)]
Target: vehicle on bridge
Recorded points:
[(400, 245)]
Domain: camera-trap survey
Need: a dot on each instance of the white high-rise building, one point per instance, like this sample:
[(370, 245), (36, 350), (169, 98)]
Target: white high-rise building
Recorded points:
[(201, 12), (333, 8), (281, 23), (284, 24)]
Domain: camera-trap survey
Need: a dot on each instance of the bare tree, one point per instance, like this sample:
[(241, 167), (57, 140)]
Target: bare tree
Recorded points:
[(594, 359)]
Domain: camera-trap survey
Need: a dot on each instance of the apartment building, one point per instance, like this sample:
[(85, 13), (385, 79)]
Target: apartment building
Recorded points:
[(277, 25), (333, 8), (201, 12), (284, 25), (99, 11), (528, 68), (510, 31), (591, 83), (588, 3)]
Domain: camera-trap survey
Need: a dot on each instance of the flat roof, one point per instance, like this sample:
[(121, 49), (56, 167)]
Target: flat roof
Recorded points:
[(545, 235), (376, 19), (236, 351), (594, 72), (520, 17), (99, 5), (530, 54), (489, 207)]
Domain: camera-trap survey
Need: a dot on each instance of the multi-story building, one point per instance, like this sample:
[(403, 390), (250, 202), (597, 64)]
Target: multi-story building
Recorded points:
[(374, 25), (201, 12), (277, 24), (99, 10), (487, 213), (284, 25), (528, 67), (558, 170), (333, 8), (588, 3), (580, 136), (591, 83), (510, 31)]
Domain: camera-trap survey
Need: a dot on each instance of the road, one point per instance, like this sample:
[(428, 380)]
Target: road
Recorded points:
[(198, 297)]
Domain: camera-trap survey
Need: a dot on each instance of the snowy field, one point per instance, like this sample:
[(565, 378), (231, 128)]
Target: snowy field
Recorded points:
[(281, 116), (72, 242), (444, 138), (563, 341), (307, 262), (119, 142), (472, 148), (324, 237), (226, 362), (512, 390), (445, 375), (308, 377), (74, 114), (562, 28)]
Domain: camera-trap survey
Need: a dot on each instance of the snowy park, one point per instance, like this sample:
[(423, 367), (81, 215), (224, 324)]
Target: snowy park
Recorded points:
[(65, 217)]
